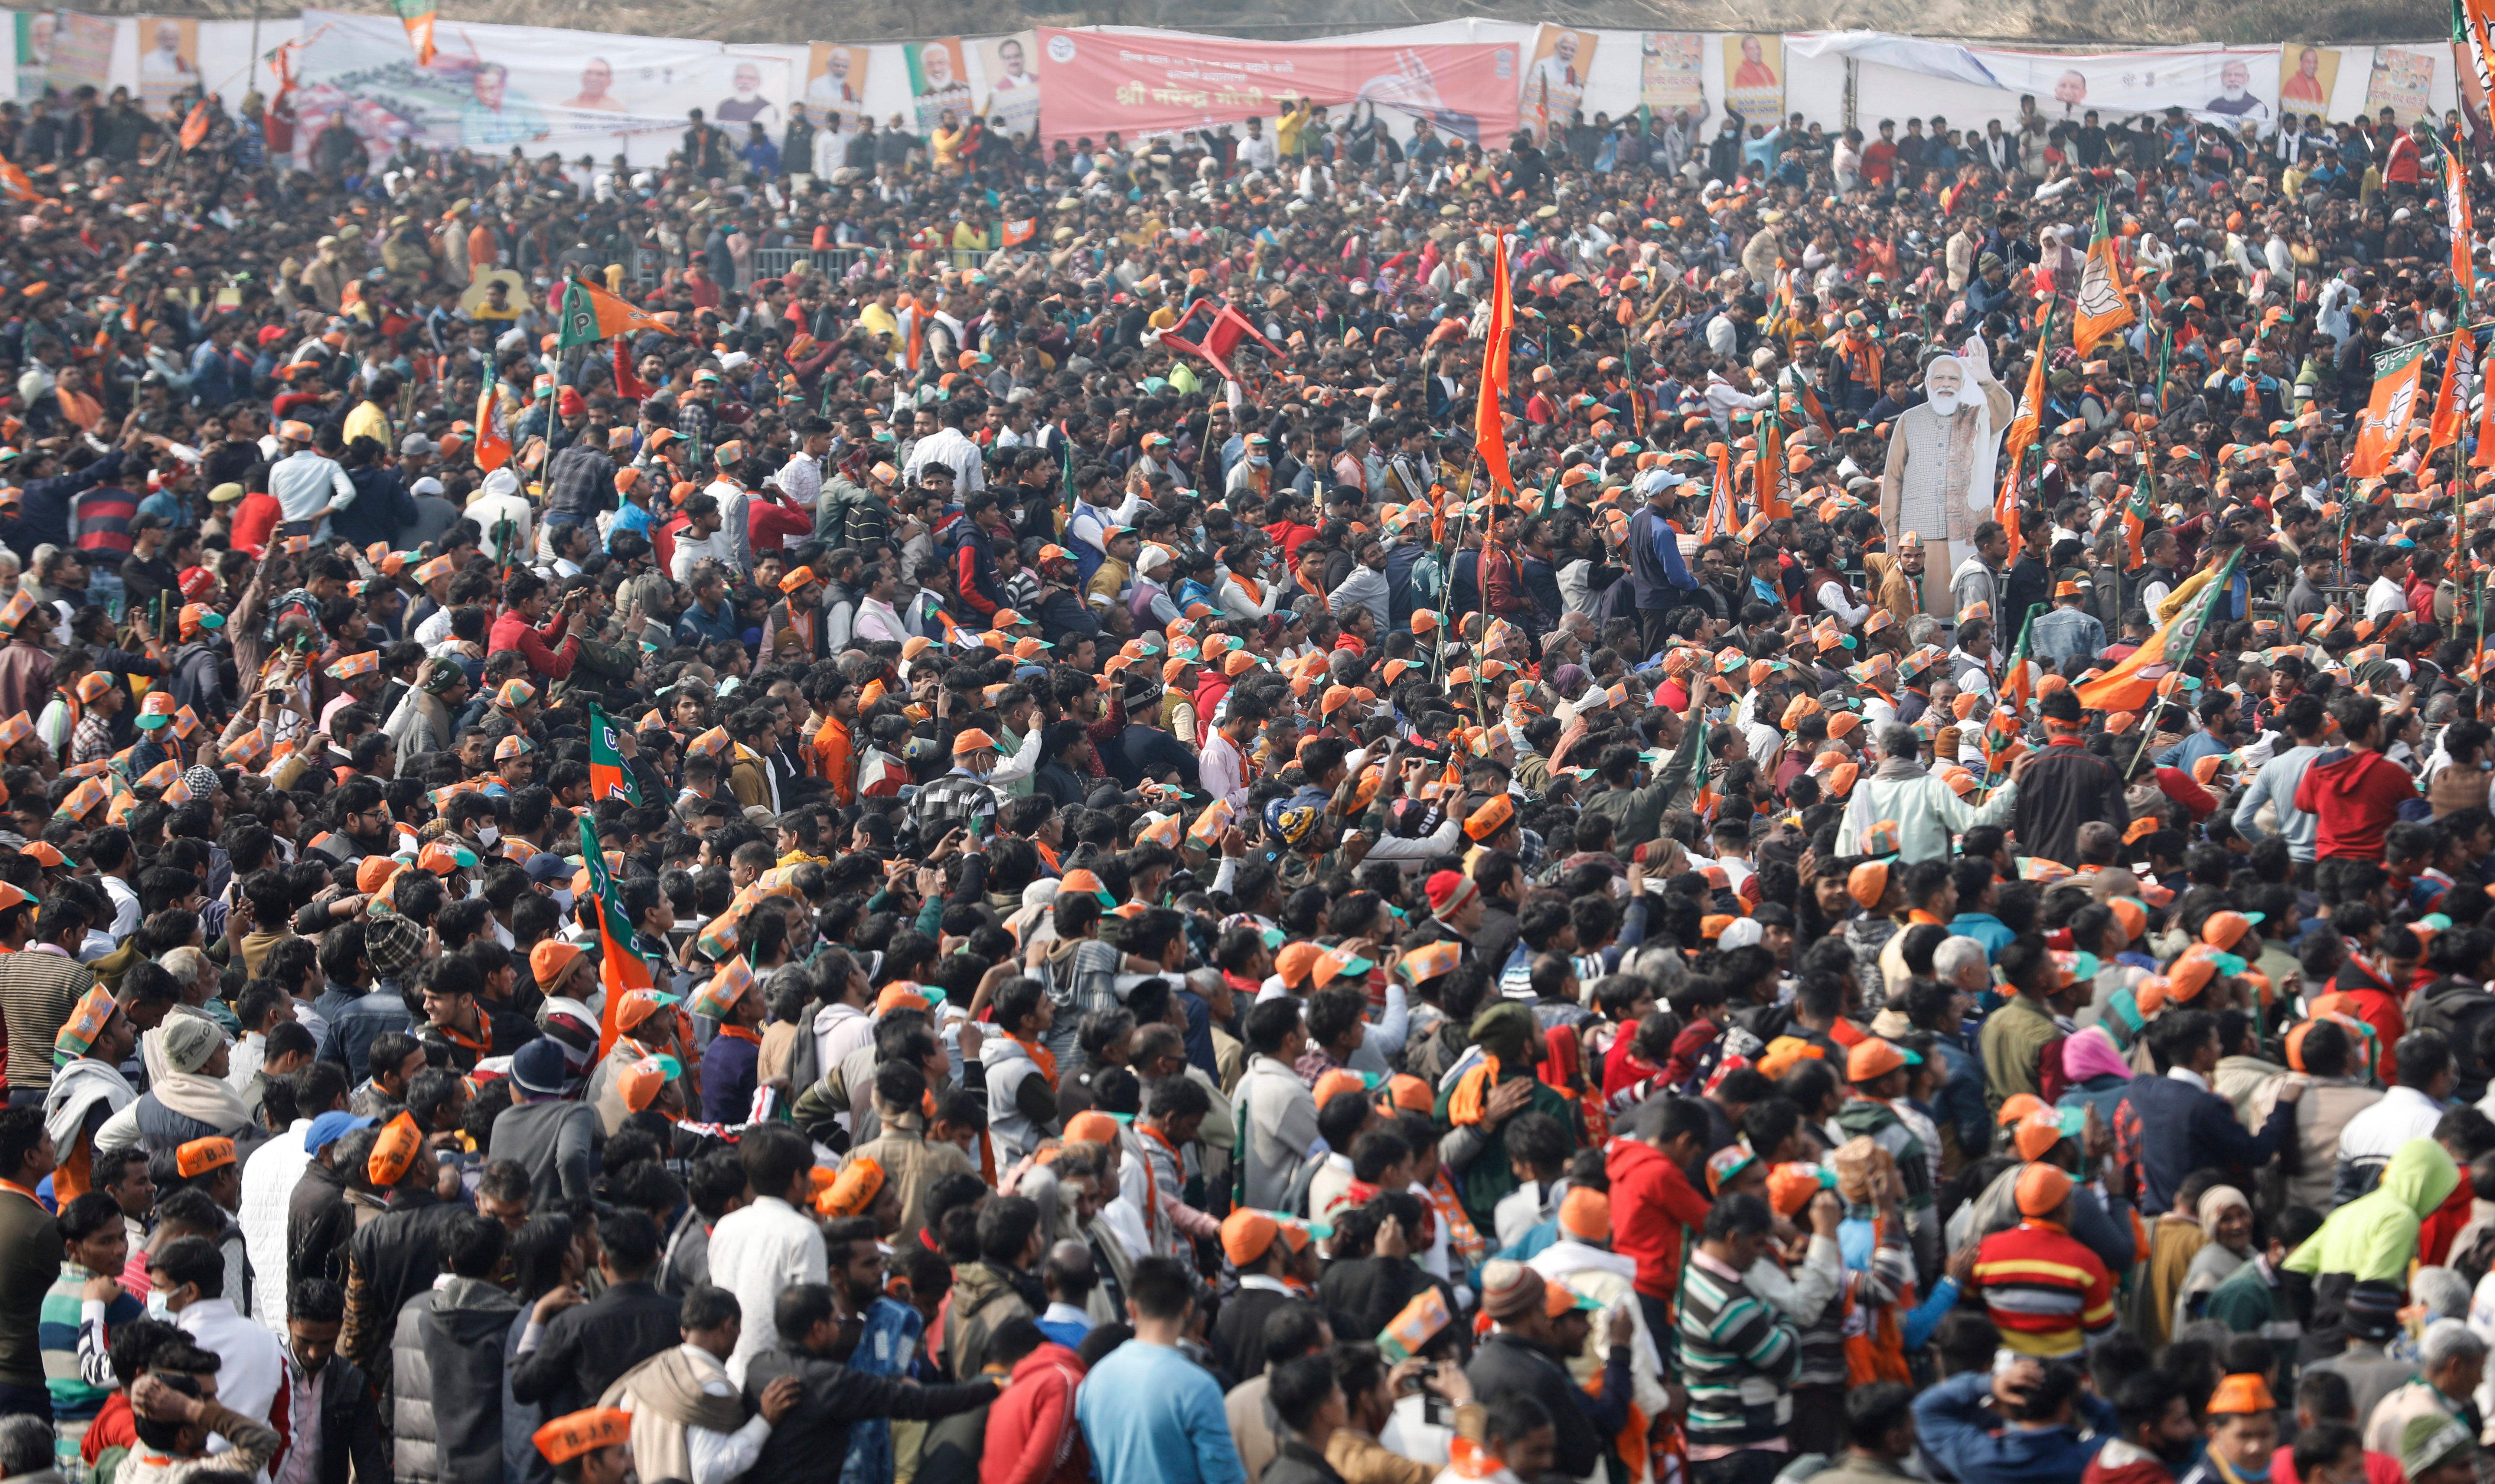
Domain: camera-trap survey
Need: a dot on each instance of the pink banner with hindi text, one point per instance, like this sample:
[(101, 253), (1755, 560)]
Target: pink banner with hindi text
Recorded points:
[(1144, 83)]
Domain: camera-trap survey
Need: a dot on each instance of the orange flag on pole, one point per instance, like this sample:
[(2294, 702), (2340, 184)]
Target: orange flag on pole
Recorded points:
[(14, 180), (2022, 436), (493, 449), (2103, 307), (1490, 429), (2452, 400), (1771, 473), (2455, 202), (2387, 410), (1719, 504), (195, 127)]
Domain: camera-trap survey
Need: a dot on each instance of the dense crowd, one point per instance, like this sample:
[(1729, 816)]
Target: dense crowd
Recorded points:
[(1697, 803)]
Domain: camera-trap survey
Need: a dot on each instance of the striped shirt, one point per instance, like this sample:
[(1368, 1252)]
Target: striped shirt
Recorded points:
[(38, 990), (2043, 1289), (1737, 1355), (74, 1332)]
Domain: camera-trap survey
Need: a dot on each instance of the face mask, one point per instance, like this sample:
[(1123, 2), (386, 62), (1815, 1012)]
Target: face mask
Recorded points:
[(158, 1305), (487, 834)]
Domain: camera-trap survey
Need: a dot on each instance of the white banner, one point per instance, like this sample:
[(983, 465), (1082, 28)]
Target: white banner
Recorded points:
[(490, 88), (2216, 84)]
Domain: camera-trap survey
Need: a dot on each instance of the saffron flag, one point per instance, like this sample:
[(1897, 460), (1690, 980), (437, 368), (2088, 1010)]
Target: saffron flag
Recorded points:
[(2455, 206), (1771, 473), (619, 968), (14, 180), (2022, 434), (2451, 401), (591, 315), (608, 776), (1490, 429), (195, 128), (418, 17), (493, 449), (1719, 503), (1018, 233), (2128, 686), (2484, 457), (2473, 31), (2396, 374), (2103, 308)]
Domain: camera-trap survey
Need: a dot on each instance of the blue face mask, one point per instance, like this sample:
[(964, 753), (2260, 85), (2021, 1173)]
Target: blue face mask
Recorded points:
[(2251, 1475)]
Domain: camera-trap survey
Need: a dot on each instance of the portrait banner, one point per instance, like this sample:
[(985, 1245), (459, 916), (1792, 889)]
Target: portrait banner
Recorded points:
[(493, 88), (35, 31), (1671, 71), (2402, 82), (169, 60), (1754, 76), (1010, 94), (1556, 79), (1164, 82), (939, 82), (82, 54), (2306, 74), (2215, 84), (836, 83)]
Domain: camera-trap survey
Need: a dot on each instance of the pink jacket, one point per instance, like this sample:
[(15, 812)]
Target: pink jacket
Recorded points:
[(1033, 1438)]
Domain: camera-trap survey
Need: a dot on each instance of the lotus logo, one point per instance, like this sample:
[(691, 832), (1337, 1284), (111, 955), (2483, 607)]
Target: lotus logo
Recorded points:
[(1061, 48)]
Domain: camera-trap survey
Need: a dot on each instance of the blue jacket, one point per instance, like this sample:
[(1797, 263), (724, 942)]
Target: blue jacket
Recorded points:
[(1960, 1102), (1654, 562), (1970, 1443), (696, 627), (1986, 929), (2178, 1127)]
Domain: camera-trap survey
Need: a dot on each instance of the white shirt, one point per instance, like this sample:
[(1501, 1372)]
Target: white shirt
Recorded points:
[(269, 1181), (251, 1366), (306, 482), (757, 1252), (840, 1030), (2386, 597), (716, 1458), (125, 905), (2377, 1132), (1224, 771), (302, 1462), (952, 448), (716, 546)]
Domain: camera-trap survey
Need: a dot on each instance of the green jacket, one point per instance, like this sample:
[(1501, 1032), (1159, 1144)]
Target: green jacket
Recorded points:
[(1490, 1177), (2374, 1236), (1637, 813)]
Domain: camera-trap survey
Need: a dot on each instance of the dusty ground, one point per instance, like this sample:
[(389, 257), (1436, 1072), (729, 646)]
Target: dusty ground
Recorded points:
[(2038, 20)]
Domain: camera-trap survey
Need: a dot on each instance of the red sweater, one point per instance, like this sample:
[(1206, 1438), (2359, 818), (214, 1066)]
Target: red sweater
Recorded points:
[(1031, 1436), (2356, 797), (512, 631), (2044, 1289), (1651, 1202)]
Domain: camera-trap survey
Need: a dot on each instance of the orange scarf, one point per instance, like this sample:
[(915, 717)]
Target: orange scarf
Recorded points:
[(1041, 1057), (1470, 1102), (742, 1032)]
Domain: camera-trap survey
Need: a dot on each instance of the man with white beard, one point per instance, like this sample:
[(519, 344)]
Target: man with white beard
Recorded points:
[(2235, 98), (1939, 479)]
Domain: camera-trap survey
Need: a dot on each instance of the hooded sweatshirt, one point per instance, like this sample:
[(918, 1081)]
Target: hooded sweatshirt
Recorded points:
[(2374, 1236), (2355, 797)]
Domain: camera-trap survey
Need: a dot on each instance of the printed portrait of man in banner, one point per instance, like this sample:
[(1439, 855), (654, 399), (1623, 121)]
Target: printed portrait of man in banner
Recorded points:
[(1754, 76), (939, 81), (836, 83), (1557, 77), (1012, 95), (34, 52), (2305, 76), (169, 60)]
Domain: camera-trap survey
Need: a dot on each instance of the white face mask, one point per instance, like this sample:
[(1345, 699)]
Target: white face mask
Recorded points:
[(158, 1305), (487, 834)]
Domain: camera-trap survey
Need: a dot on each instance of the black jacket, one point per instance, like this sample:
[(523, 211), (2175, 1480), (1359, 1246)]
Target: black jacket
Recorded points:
[(390, 1259), (810, 1442), (589, 1346), (318, 1224), (1296, 1463), (350, 1433), (1509, 1364), (2065, 787)]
